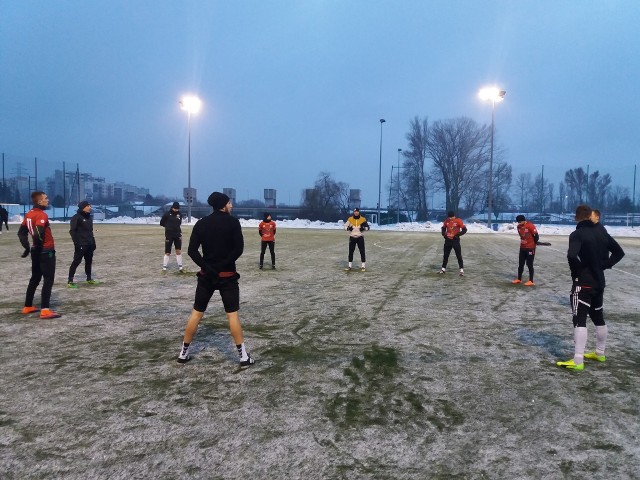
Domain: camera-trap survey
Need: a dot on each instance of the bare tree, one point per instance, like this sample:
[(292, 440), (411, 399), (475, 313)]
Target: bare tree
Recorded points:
[(523, 187), (415, 187), (576, 182), (541, 192), (502, 174), (326, 201), (459, 149), (598, 188)]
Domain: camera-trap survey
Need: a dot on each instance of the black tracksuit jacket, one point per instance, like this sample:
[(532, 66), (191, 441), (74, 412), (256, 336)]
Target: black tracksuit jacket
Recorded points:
[(588, 255), (81, 229), (220, 237), (171, 221)]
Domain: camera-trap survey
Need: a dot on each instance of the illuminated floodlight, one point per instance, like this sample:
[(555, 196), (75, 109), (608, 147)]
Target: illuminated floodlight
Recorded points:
[(190, 103), (492, 93)]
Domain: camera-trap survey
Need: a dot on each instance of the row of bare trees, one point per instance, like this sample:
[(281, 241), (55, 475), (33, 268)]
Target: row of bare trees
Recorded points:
[(453, 157)]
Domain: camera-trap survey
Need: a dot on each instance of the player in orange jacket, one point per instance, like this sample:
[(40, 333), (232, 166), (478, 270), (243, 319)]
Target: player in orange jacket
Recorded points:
[(452, 229), (528, 240), (267, 232)]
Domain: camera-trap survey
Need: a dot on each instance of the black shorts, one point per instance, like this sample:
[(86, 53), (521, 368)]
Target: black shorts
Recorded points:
[(228, 288), (168, 242)]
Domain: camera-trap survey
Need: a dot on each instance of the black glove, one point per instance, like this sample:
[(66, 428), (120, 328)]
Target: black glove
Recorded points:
[(260, 233), (350, 228), (362, 229), (25, 253)]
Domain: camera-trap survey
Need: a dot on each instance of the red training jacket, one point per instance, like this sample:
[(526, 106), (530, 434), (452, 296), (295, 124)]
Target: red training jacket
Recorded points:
[(528, 234), (453, 227), (37, 222), (267, 231)]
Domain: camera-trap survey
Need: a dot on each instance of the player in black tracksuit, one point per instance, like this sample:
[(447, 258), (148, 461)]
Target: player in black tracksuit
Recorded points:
[(171, 222), (81, 231), (220, 237), (588, 256)]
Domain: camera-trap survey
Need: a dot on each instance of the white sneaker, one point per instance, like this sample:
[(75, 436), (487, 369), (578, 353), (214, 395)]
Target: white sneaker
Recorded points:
[(441, 271), (461, 272)]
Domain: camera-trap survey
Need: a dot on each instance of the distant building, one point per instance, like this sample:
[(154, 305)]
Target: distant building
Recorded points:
[(354, 198), (269, 197), (231, 193)]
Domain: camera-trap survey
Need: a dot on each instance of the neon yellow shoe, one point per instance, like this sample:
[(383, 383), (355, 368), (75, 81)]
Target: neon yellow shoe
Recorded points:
[(595, 356), (569, 364)]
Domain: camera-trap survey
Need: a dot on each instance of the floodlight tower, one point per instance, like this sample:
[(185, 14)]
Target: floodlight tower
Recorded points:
[(494, 95), (190, 104)]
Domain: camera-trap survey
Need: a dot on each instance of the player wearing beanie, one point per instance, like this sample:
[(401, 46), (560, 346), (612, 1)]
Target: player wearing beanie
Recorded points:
[(220, 237), (267, 232), (84, 243), (171, 222)]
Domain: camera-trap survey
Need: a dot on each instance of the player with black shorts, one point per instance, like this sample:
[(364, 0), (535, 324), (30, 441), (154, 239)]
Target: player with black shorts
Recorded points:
[(220, 237)]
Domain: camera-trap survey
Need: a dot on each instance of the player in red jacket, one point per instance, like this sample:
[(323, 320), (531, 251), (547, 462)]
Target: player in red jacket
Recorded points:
[(43, 254), (528, 240), (267, 232), (452, 229)]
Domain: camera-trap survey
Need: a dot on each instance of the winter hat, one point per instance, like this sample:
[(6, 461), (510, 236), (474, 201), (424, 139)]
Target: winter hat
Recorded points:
[(176, 205), (520, 218), (266, 215), (451, 213), (83, 204), (218, 200)]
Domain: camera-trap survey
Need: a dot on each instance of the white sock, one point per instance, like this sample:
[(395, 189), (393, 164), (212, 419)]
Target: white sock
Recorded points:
[(601, 339), (580, 336), (179, 260), (184, 351), (363, 265), (165, 261), (242, 352), (350, 264)]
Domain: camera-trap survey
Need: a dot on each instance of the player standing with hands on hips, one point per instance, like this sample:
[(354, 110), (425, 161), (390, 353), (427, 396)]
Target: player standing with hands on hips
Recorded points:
[(43, 254), (356, 225), (452, 229), (588, 256), (220, 237)]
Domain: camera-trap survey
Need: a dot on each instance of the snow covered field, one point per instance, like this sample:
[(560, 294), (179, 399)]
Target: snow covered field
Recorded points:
[(393, 373)]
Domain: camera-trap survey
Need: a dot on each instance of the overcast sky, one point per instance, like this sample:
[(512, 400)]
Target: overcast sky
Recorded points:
[(293, 88)]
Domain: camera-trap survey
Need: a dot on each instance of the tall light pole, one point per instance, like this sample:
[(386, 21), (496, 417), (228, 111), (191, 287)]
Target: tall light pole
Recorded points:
[(493, 94), (398, 185), (190, 104), (382, 120)]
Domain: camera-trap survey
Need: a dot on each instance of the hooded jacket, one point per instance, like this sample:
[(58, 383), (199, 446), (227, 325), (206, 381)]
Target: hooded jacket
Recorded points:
[(588, 255)]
